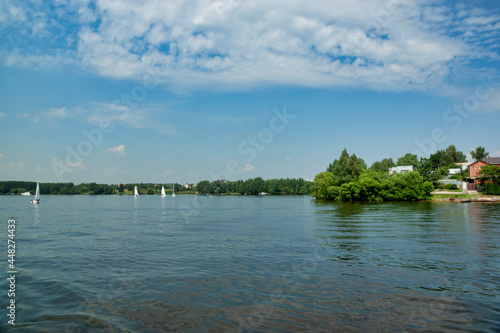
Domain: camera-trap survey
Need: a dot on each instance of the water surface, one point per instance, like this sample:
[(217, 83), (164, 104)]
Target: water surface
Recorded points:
[(263, 264)]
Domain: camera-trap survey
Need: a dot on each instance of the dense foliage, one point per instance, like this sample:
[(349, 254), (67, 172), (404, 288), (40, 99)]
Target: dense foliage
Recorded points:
[(18, 187), (347, 179), (479, 153), (255, 186), (250, 186), (491, 174)]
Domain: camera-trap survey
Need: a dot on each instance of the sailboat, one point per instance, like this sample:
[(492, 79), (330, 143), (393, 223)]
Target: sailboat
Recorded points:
[(36, 199), (173, 191), (163, 192), (136, 193)]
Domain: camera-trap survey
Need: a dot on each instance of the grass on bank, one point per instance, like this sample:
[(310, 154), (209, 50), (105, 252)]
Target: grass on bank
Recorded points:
[(460, 195)]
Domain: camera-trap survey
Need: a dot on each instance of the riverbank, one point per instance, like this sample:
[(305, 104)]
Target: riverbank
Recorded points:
[(464, 198)]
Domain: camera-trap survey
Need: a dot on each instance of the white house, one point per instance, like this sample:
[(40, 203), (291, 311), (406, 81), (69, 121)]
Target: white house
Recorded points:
[(454, 171), (401, 169)]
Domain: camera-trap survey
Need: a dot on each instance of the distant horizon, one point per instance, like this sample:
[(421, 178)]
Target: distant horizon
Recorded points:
[(112, 91)]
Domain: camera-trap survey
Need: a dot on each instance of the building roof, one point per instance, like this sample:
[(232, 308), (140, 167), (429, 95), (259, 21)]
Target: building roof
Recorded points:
[(492, 160), (402, 167)]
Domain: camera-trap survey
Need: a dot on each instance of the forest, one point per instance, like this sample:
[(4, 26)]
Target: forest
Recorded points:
[(18, 187), (256, 185), (250, 186)]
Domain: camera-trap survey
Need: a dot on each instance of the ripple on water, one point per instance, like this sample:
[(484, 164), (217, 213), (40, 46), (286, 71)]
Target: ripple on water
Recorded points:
[(263, 264)]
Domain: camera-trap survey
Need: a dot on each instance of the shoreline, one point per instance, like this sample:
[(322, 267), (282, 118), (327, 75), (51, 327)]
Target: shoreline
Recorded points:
[(484, 198)]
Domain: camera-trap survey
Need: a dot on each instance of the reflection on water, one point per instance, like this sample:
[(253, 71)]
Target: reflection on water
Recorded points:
[(266, 264)]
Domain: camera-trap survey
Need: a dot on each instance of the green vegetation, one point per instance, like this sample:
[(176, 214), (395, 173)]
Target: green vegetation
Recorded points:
[(255, 186), (455, 196), (250, 186), (17, 187), (409, 159), (479, 153), (347, 179), (491, 173)]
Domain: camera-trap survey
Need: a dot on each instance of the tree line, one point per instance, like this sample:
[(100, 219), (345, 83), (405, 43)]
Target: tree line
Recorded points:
[(18, 187), (250, 186), (255, 186)]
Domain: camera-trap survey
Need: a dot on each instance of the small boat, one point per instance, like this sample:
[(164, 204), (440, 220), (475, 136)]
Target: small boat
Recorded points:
[(27, 193), (173, 191), (136, 193), (163, 192), (262, 193), (36, 199)]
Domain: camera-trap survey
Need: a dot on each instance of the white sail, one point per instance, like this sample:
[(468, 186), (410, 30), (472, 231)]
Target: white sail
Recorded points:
[(136, 193), (37, 192), (36, 199), (163, 191), (173, 191)]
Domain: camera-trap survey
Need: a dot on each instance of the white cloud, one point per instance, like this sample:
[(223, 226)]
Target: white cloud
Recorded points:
[(146, 117), (57, 113), (389, 45), (165, 173), (11, 167), (248, 167), (287, 158), (495, 154), (60, 167), (2, 115), (25, 115), (119, 150)]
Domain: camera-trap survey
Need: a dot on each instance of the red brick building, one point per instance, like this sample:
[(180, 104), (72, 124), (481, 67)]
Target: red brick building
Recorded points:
[(475, 171)]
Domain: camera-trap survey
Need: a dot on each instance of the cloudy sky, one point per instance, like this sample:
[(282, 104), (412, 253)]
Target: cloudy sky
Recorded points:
[(163, 91)]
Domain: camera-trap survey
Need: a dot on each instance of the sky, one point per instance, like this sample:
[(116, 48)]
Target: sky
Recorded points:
[(182, 91)]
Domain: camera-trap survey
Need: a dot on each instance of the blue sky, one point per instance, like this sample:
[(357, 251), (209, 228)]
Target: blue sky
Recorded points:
[(181, 91)]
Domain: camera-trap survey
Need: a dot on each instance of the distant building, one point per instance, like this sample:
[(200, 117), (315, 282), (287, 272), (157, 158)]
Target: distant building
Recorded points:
[(475, 171), (187, 186), (454, 171), (464, 166), (401, 169)]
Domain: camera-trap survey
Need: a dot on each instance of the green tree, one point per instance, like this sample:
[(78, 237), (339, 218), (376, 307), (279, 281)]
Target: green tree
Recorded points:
[(491, 172), (427, 170), (402, 187), (408, 159), (367, 188), (347, 168), (479, 153), (427, 188), (455, 155), (383, 166), (322, 182)]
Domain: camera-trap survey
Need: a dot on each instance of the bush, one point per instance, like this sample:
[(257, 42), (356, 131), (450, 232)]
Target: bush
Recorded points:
[(492, 189), (451, 187), (427, 188)]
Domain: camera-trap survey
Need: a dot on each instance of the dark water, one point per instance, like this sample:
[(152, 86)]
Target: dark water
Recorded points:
[(242, 264)]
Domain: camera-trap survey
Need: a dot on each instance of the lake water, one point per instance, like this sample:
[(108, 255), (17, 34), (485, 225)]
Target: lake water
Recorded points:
[(243, 264)]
